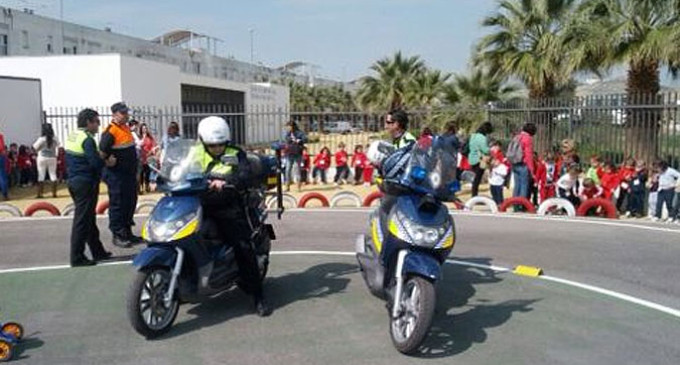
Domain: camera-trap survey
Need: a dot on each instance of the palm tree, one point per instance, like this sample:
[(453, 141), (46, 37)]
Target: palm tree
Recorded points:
[(482, 87), (644, 34), (389, 88), (528, 42), (427, 89)]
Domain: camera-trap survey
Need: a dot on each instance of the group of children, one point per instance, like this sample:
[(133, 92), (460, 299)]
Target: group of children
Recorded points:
[(356, 165), (21, 165), (629, 186)]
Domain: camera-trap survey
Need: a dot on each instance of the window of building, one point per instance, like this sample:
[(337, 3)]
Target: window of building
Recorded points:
[(3, 45), (75, 49), (49, 43), (24, 39)]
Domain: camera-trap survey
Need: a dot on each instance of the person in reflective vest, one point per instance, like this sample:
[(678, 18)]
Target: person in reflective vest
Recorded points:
[(224, 206), (396, 124), (121, 179), (84, 166)]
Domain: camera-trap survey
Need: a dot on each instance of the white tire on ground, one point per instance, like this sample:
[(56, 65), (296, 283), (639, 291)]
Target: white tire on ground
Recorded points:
[(289, 202), (146, 203), (69, 209), (557, 203), (346, 195), (481, 200), (11, 209)]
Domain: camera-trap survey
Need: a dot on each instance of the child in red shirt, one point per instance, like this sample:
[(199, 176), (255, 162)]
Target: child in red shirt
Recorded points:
[(341, 169), (626, 176), (304, 166), (61, 164), (589, 190), (368, 172), (322, 162), (25, 166), (610, 180), (359, 160)]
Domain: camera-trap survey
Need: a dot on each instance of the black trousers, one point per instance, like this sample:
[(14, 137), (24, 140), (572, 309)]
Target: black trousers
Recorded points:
[(341, 172), (234, 229), (84, 230), (479, 173), (122, 202)]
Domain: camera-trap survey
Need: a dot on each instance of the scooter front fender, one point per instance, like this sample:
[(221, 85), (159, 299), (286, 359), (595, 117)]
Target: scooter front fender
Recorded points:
[(421, 264), (155, 256)]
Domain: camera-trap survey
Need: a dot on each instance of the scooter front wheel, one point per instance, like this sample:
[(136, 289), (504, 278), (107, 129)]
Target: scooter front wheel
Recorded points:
[(6, 351), (146, 306), (417, 304), (13, 329)]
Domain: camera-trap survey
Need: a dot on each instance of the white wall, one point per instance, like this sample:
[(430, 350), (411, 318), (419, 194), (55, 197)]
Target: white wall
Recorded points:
[(147, 83), (70, 81), (20, 110)]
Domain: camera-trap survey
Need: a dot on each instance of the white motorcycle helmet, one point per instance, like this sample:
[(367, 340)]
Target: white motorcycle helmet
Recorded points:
[(214, 130), (378, 151)]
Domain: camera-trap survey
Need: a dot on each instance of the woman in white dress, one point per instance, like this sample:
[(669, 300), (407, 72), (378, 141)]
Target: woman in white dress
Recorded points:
[(46, 147)]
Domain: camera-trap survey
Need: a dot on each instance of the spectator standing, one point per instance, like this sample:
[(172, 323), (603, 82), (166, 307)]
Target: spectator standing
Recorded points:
[(25, 165), (368, 171), (322, 162), (13, 155), (595, 170), (172, 135), (4, 181), (521, 154), (294, 140), (668, 179), (609, 180), (626, 174), (636, 197), (499, 171), (653, 194), (341, 169), (121, 178), (304, 166), (84, 171), (359, 162), (148, 148), (46, 147), (479, 154)]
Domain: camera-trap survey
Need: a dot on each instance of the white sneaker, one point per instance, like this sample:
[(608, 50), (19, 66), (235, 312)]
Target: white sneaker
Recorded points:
[(628, 214), (655, 219)]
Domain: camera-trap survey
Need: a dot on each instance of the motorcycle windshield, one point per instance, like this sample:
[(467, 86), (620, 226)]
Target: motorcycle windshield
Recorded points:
[(432, 168), (179, 164)]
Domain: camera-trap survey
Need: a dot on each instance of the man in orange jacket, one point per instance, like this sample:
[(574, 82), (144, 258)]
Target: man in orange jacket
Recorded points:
[(121, 178)]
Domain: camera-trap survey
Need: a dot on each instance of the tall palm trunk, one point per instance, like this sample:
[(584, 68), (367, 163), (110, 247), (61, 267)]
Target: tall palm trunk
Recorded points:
[(642, 132)]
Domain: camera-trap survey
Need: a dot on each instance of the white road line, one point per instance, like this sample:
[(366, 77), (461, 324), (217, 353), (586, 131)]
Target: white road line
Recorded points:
[(500, 269)]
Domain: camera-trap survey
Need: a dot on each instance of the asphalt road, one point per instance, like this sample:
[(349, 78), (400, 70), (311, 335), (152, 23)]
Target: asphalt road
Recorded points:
[(325, 314)]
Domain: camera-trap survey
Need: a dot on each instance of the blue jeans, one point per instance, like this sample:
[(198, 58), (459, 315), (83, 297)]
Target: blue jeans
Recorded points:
[(665, 197), (4, 182), (292, 162), (521, 174), (497, 193)]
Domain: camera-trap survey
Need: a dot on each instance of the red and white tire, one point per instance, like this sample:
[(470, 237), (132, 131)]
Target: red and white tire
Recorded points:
[(38, 206), (289, 201), (517, 200), (608, 207), (368, 200), (313, 196), (556, 203), (69, 209), (481, 200), (346, 195), (146, 203), (11, 209)]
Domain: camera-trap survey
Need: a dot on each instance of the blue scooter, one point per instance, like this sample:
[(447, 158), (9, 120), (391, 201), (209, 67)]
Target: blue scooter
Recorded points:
[(185, 261), (410, 236), (10, 334)]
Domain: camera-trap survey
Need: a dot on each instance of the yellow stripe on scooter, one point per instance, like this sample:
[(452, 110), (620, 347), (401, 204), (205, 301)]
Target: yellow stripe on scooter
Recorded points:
[(188, 229), (376, 238)]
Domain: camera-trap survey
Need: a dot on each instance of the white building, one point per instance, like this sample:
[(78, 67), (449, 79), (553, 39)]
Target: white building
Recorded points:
[(157, 92), (23, 33)]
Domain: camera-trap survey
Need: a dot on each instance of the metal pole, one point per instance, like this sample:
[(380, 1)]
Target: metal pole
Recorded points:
[(252, 58)]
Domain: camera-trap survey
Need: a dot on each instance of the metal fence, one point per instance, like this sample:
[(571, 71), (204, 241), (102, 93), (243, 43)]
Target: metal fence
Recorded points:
[(613, 126)]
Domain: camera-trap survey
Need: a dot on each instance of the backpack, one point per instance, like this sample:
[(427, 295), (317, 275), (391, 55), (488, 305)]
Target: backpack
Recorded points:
[(515, 154)]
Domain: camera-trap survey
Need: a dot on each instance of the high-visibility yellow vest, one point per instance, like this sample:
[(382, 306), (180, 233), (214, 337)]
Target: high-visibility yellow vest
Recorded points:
[(204, 158), (75, 140)]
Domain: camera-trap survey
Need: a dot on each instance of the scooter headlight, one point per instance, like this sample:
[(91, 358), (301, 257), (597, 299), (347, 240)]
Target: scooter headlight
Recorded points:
[(157, 231), (409, 231)]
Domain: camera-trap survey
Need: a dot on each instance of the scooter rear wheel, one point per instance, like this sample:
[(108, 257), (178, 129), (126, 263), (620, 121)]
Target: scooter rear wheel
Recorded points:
[(13, 329), (6, 351), (417, 304), (146, 307)]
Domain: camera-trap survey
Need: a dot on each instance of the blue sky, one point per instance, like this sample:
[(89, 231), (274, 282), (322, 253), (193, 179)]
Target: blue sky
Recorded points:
[(342, 36)]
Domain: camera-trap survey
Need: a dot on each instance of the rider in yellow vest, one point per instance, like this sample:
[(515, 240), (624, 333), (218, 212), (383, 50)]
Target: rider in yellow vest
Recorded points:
[(121, 179), (396, 124), (223, 205)]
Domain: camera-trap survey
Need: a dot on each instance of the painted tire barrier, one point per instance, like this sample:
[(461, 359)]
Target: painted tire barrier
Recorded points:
[(606, 205), (346, 195), (517, 200), (481, 200), (287, 199), (458, 204), (11, 209), (38, 206), (69, 209), (312, 196), (146, 203), (102, 207), (368, 200), (556, 203)]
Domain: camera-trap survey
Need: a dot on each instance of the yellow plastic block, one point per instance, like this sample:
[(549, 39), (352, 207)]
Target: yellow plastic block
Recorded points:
[(528, 271)]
